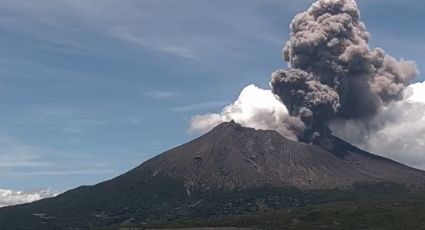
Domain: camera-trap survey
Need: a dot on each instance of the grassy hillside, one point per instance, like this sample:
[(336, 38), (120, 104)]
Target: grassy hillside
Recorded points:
[(406, 212), (383, 206), (162, 203)]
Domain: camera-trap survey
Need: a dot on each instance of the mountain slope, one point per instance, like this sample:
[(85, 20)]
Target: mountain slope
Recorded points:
[(228, 171), (231, 156)]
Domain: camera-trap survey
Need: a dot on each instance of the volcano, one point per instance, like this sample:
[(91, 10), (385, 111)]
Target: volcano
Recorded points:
[(224, 172), (233, 157)]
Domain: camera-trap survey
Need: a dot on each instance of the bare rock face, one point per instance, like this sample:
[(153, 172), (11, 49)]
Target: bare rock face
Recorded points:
[(233, 157)]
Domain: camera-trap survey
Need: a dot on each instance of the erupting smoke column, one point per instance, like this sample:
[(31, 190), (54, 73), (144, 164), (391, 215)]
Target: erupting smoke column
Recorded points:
[(332, 72)]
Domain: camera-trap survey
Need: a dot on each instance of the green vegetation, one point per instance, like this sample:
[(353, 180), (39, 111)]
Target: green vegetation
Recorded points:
[(163, 204), (383, 206), (402, 213)]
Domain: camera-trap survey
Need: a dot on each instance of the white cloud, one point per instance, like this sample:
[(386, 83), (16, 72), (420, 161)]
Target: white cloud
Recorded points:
[(397, 132), (418, 93), (255, 108), (13, 197)]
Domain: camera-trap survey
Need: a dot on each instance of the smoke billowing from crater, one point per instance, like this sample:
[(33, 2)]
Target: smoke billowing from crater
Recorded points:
[(256, 108), (334, 80), (333, 74)]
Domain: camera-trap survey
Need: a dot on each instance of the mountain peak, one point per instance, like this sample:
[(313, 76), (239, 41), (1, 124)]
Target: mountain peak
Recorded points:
[(232, 156), (232, 125)]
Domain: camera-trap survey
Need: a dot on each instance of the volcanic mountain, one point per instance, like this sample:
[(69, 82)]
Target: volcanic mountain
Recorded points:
[(224, 172), (231, 156)]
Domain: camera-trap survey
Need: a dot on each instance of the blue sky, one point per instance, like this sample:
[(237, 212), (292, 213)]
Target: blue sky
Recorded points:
[(90, 89)]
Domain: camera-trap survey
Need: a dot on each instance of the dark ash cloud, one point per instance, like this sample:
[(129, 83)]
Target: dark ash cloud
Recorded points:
[(333, 74)]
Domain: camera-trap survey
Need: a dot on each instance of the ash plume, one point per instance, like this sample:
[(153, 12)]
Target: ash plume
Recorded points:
[(332, 73)]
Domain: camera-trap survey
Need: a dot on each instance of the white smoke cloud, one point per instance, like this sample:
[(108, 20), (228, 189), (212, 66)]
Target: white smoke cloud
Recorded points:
[(13, 197), (256, 108), (397, 132), (418, 92)]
